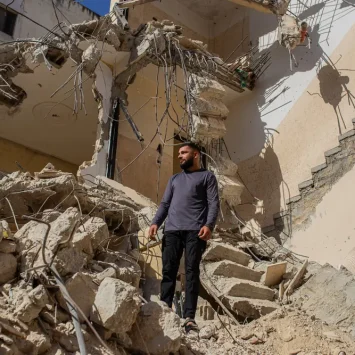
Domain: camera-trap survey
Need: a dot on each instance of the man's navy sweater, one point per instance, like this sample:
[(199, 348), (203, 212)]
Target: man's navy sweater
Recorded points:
[(190, 202)]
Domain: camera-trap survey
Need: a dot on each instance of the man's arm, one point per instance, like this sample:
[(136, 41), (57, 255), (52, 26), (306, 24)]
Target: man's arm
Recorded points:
[(213, 202), (164, 205)]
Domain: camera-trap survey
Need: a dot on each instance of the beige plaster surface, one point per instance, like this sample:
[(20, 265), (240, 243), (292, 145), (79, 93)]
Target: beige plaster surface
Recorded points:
[(143, 175), (331, 233), (309, 129), (48, 124), (225, 43), (29, 159)]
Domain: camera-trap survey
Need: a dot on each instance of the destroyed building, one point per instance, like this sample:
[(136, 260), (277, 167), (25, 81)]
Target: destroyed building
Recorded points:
[(106, 102)]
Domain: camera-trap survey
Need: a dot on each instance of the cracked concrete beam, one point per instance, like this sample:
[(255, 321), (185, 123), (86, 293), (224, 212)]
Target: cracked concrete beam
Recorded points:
[(132, 3), (278, 7), (104, 30)]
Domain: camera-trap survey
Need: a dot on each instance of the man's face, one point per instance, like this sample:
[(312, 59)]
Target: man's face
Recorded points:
[(186, 157)]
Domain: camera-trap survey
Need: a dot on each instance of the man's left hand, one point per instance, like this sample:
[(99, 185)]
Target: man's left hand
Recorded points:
[(205, 233)]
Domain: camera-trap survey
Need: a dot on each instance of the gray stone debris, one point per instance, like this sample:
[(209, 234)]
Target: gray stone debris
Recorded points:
[(32, 304), (97, 227), (82, 290), (157, 330), (116, 305)]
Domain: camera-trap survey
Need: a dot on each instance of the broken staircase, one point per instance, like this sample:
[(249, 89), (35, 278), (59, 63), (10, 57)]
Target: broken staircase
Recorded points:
[(226, 273)]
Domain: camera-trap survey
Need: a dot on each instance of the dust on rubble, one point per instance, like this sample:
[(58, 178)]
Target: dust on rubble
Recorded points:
[(60, 236), (286, 331)]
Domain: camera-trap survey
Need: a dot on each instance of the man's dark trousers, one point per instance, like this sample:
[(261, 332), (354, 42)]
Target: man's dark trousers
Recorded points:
[(174, 243)]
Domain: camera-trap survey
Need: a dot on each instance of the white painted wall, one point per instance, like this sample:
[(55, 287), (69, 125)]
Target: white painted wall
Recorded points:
[(254, 111), (331, 233), (42, 11)]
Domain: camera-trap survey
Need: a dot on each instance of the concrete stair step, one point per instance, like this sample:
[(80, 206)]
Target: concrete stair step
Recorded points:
[(228, 268), (222, 251), (243, 288), (249, 308)]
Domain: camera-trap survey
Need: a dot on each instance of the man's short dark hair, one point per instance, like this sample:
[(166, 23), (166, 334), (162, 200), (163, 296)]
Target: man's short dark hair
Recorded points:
[(192, 145)]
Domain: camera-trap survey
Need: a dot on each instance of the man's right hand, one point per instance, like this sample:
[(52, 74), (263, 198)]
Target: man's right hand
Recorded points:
[(153, 230)]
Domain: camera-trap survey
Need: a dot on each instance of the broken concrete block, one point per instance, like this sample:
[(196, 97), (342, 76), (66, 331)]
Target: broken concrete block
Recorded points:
[(30, 238), (7, 246), (82, 242), (50, 215), (205, 87), (155, 40), (63, 226), (82, 290), (157, 330), (116, 305), (243, 288), (69, 261), (230, 189), (8, 267), (248, 307), (228, 268), (213, 107), (109, 272), (32, 305), (90, 58), (207, 332), (127, 269), (224, 167), (205, 129), (98, 229), (222, 251)]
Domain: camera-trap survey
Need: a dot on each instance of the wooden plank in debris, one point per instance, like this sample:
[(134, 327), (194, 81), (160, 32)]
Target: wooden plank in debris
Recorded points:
[(297, 279), (274, 273)]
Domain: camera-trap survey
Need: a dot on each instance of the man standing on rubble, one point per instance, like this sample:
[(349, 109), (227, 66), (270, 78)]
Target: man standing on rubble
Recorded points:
[(191, 205)]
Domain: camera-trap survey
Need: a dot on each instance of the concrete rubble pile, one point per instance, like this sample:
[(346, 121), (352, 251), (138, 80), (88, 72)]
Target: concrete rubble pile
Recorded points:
[(55, 230), (70, 260)]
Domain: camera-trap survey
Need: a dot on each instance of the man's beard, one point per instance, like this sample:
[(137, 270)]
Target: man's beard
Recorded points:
[(187, 164)]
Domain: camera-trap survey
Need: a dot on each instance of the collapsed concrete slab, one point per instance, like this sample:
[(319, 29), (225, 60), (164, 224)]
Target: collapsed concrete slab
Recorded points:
[(249, 308), (243, 288), (227, 268), (221, 251)]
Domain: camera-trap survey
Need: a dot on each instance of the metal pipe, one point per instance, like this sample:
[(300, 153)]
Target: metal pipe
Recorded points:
[(113, 138), (60, 283), (130, 121)]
